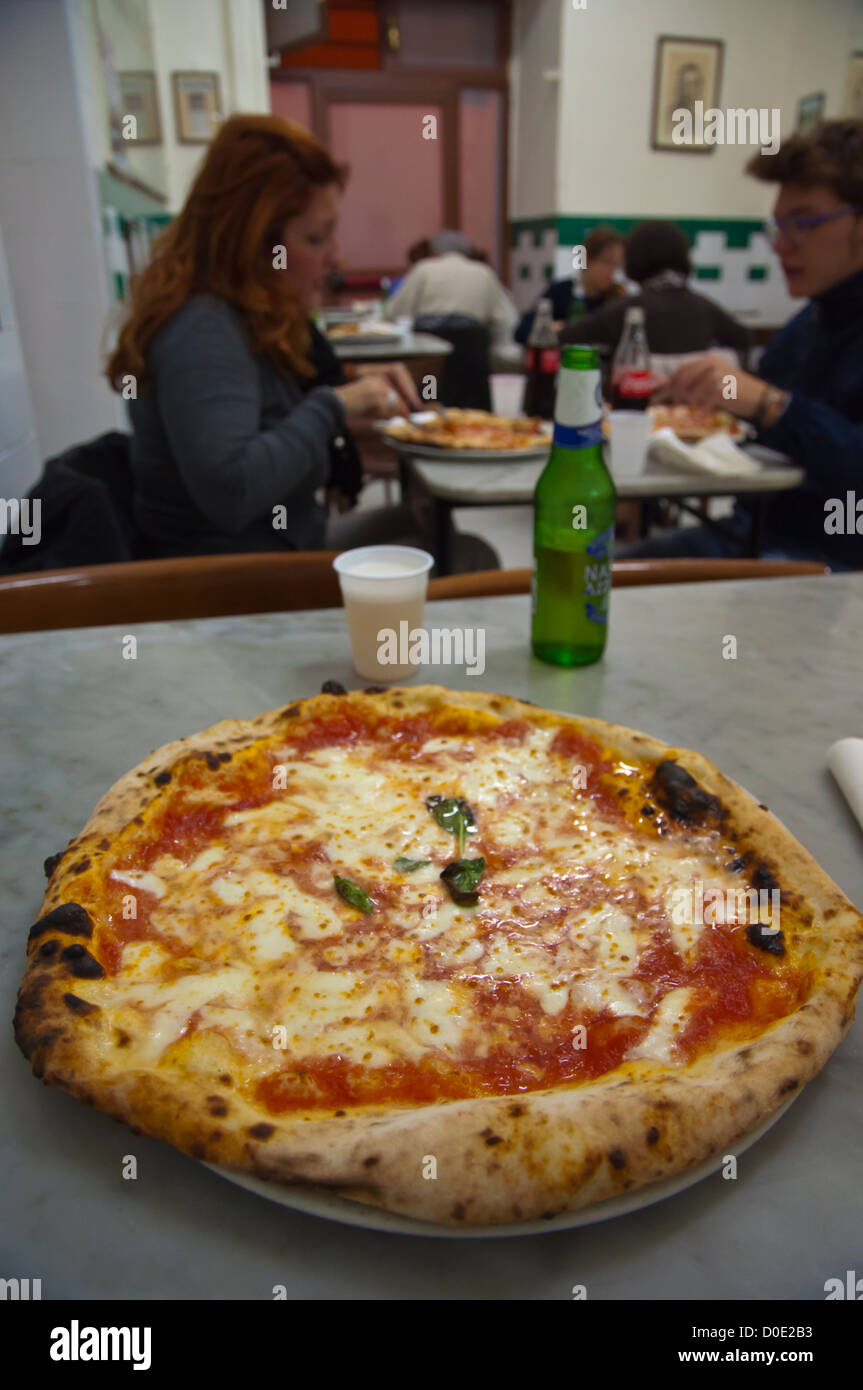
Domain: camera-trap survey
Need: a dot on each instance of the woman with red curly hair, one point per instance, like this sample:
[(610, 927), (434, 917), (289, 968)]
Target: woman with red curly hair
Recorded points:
[(242, 410)]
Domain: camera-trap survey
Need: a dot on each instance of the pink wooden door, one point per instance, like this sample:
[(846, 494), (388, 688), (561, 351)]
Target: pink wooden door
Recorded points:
[(395, 195)]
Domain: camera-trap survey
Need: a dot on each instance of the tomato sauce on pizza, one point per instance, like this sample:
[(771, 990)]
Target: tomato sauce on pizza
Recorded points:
[(567, 966)]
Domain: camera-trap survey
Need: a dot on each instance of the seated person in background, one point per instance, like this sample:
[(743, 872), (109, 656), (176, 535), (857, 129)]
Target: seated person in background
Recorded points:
[(807, 400), (416, 253), (676, 319), (587, 290), (241, 406), (449, 282)]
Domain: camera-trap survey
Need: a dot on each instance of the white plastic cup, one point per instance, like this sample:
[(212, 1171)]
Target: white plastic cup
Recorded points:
[(628, 442), (384, 590), (507, 390)]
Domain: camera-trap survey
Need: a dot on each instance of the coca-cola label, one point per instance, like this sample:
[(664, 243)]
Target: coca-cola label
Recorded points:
[(549, 359), (634, 384)]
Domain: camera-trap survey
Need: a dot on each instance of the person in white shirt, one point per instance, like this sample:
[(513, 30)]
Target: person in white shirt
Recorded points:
[(449, 283)]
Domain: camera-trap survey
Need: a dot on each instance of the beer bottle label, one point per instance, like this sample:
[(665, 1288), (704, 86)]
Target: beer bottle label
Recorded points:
[(597, 577), (577, 436), (578, 412)]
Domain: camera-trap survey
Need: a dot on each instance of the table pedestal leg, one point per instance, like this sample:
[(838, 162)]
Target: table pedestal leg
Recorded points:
[(443, 537), (757, 532)]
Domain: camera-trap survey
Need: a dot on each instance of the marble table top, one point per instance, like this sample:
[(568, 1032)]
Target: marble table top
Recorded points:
[(494, 482), (78, 716)]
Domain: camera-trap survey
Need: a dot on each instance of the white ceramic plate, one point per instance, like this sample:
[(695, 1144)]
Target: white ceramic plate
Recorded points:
[(436, 454), (317, 1201)]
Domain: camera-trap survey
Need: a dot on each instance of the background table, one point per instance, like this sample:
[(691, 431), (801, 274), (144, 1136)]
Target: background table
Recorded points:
[(397, 350), (512, 484), (83, 716)]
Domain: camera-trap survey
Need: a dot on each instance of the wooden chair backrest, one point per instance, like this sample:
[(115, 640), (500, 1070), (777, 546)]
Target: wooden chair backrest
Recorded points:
[(145, 591), (625, 574)]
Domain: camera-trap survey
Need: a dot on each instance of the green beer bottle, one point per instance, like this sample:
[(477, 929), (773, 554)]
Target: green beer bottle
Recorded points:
[(573, 533)]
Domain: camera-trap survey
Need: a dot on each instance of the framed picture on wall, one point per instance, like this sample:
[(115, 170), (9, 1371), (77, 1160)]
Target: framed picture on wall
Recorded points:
[(852, 103), (139, 98), (687, 72), (810, 110), (197, 106)]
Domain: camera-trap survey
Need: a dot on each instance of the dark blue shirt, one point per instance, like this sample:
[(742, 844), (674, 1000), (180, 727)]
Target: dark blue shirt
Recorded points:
[(818, 357), (560, 294)]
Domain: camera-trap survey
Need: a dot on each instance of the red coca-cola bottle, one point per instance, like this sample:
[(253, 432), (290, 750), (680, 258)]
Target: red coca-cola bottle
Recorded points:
[(542, 360), (632, 380)]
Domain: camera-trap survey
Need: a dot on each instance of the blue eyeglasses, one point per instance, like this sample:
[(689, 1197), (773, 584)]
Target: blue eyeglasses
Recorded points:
[(795, 227)]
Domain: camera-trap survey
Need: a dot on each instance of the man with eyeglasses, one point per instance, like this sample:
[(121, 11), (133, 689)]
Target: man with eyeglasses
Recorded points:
[(807, 400)]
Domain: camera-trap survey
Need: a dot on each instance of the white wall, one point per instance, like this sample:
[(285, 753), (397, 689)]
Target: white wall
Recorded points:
[(223, 36), (19, 453), (776, 51), (127, 25), (51, 228), (536, 26), (50, 148)]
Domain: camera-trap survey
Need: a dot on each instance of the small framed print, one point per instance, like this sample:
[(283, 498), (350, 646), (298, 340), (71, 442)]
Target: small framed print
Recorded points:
[(687, 72), (197, 106), (852, 103), (810, 111), (139, 99)]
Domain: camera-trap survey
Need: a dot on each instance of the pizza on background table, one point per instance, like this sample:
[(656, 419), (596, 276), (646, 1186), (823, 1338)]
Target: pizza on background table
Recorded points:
[(560, 957), (691, 423), (456, 428)]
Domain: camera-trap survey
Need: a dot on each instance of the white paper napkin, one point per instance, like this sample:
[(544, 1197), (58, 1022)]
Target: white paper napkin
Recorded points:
[(845, 761), (717, 454)]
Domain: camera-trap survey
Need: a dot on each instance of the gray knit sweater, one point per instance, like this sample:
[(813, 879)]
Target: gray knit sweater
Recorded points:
[(221, 438)]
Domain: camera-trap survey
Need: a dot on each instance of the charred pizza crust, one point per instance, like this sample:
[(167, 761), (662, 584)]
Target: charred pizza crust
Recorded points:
[(498, 1159)]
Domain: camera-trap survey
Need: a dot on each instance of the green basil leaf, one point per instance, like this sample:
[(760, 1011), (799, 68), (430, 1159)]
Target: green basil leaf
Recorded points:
[(462, 878), (455, 814), (409, 866), (353, 894)]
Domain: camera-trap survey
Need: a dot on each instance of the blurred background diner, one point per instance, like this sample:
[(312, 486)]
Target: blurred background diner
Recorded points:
[(677, 319), (235, 239), (598, 284)]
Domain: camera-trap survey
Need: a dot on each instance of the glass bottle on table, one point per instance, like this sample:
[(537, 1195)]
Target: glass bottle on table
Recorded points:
[(573, 523), (578, 303), (542, 360), (632, 379)]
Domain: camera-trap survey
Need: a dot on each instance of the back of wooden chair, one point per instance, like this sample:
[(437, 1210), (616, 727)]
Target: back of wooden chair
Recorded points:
[(625, 574), (146, 591), (207, 586)]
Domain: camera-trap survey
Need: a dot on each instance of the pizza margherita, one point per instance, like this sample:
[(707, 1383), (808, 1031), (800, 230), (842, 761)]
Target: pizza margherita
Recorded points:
[(320, 946)]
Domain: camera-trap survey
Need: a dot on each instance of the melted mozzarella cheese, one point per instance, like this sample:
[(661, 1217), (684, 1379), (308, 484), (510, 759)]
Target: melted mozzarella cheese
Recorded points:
[(140, 878), (437, 1015), (278, 948), (666, 1026)]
